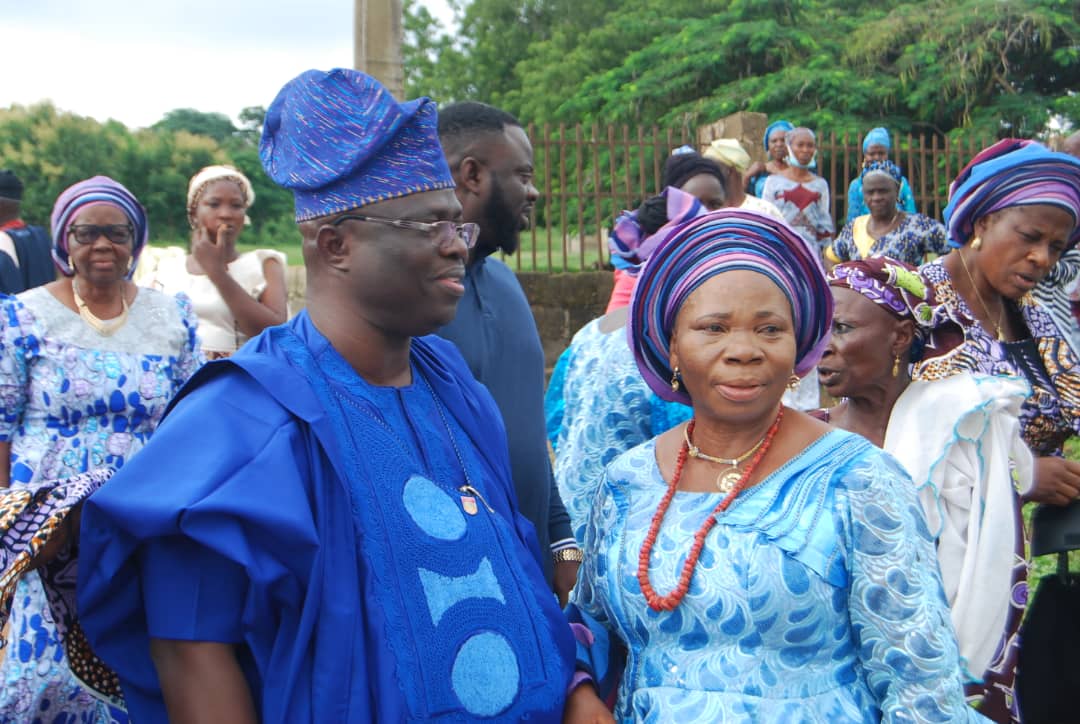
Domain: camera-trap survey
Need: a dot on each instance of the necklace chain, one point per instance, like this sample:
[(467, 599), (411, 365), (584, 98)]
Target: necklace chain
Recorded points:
[(727, 478), (671, 601), (104, 327), (982, 303)]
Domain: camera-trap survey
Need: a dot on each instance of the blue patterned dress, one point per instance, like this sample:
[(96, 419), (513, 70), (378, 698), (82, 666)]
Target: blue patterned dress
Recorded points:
[(911, 241), (72, 400), (817, 596)]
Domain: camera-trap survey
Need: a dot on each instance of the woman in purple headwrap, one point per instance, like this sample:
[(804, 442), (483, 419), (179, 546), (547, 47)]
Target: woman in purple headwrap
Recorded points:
[(1012, 213), (87, 365), (958, 438), (756, 564)]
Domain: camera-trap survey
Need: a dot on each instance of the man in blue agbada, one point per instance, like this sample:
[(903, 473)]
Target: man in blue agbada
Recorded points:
[(324, 527)]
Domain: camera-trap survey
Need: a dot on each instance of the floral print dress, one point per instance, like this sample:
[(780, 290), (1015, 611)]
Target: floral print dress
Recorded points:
[(72, 400)]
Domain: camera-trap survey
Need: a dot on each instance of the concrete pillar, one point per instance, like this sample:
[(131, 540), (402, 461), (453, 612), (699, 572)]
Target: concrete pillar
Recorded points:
[(377, 42)]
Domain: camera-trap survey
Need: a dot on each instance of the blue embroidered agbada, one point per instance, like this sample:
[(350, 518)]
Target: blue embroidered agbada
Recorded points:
[(359, 544)]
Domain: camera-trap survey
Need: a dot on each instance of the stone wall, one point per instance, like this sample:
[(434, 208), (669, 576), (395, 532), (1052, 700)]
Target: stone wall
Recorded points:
[(561, 303)]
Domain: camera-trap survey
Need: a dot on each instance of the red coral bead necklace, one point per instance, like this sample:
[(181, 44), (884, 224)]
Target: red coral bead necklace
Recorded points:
[(672, 600)]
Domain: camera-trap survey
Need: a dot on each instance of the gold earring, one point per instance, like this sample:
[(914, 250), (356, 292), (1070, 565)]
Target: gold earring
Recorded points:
[(896, 366), (793, 382), (675, 379), (976, 243)]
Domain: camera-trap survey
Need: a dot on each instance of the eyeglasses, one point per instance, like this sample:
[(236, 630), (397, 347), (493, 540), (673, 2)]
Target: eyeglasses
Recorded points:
[(441, 233), (89, 233)]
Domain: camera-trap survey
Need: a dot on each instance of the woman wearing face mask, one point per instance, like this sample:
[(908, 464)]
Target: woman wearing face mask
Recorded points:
[(235, 295), (887, 230), (875, 147), (801, 195), (775, 143), (1012, 213)]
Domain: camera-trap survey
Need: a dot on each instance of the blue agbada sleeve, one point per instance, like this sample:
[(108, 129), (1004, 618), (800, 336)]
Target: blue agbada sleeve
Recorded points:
[(195, 540)]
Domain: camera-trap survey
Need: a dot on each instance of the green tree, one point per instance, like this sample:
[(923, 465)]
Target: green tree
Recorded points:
[(217, 126)]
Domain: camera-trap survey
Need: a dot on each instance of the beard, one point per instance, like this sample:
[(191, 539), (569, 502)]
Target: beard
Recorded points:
[(502, 224)]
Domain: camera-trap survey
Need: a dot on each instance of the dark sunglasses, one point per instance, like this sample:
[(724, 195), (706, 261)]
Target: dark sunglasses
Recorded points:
[(89, 233), (441, 233)]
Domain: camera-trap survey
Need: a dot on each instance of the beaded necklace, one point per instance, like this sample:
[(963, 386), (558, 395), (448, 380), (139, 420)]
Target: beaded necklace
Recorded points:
[(671, 601)]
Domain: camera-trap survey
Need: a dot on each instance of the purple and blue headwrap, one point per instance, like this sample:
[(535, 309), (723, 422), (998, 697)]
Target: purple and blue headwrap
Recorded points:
[(887, 168), (91, 192), (629, 244), (1012, 172), (878, 136), (897, 288), (780, 125), (338, 140), (712, 244)]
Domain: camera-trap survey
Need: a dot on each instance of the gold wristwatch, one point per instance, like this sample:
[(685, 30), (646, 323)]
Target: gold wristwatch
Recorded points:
[(573, 555)]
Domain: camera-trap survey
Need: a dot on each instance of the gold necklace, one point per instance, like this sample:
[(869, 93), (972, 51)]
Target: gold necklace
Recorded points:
[(728, 478), (104, 327), (986, 309)]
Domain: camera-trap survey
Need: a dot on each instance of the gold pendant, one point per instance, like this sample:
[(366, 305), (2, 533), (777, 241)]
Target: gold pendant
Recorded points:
[(726, 481)]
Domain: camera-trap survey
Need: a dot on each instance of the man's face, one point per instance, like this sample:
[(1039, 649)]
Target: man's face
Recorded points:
[(403, 281), (510, 196)]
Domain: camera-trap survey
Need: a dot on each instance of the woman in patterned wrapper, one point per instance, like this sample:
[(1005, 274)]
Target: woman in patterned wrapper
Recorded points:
[(235, 295), (88, 364), (1012, 213), (756, 564)]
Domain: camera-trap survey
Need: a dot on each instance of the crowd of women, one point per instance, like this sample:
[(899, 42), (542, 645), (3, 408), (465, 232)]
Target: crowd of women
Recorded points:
[(748, 554)]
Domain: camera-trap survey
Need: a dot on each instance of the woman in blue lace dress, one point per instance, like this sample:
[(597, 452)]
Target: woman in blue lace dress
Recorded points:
[(756, 565), (88, 364)]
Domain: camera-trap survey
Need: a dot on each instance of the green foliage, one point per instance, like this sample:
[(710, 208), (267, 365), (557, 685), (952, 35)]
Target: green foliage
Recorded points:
[(50, 150), (217, 126)]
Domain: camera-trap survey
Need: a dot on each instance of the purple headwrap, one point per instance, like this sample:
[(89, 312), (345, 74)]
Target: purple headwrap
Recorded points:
[(628, 241), (1012, 172), (92, 191), (894, 286), (712, 244)]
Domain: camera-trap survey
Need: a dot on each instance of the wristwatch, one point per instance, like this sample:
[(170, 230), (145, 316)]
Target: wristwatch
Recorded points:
[(573, 555)]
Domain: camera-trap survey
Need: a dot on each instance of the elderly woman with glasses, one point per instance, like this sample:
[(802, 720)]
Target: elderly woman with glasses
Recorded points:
[(236, 295), (88, 364), (755, 563)]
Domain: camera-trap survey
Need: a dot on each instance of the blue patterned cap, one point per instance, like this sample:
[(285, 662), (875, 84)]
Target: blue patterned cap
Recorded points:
[(338, 140)]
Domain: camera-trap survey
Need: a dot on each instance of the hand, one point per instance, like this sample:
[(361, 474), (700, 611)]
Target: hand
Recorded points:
[(1057, 481), (583, 706), (565, 578), (211, 253)]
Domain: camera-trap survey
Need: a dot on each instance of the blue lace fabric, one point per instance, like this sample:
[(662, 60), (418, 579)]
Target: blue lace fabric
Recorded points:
[(816, 597)]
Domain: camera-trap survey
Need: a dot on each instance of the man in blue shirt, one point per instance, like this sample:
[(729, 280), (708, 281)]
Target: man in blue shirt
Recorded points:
[(323, 529), (491, 159)]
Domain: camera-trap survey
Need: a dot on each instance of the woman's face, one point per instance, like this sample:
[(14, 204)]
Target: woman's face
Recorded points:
[(708, 189), (100, 262), (863, 346), (880, 193), (1020, 245), (802, 146), (778, 145), (221, 204), (734, 344), (875, 152)]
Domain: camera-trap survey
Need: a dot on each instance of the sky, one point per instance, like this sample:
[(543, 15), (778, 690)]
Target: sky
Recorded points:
[(134, 60)]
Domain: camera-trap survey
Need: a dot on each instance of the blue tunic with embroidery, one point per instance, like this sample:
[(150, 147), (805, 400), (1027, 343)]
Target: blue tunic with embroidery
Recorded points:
[(816, 598), (359, 544)]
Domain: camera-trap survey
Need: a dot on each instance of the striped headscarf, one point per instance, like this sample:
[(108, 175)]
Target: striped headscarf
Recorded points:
[(712, 244), (632, 245), (1012, 172), (92, 192)]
